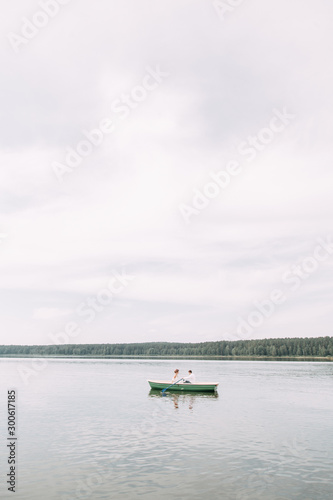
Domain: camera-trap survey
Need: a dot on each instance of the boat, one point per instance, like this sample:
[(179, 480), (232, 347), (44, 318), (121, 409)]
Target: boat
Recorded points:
[(181, 386)]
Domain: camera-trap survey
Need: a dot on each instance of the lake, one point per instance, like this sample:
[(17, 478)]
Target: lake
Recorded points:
[(92, 429)]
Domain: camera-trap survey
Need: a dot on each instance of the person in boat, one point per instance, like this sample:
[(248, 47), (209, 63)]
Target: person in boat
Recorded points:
[(190, 379), (176, 376)]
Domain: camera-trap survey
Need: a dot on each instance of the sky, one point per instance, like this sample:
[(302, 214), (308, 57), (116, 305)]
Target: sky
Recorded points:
[(165, 171)]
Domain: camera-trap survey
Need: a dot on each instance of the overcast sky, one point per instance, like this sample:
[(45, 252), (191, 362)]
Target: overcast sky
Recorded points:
[(183, 91)]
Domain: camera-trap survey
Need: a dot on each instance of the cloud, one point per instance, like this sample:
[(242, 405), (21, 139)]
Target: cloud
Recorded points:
[(49, 313), (119, 208)]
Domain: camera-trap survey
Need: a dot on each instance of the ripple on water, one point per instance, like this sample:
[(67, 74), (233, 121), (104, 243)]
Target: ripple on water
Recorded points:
[(89, 429)]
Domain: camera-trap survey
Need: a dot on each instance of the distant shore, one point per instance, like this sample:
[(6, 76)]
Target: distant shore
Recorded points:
[(298, 349), (213, 358)]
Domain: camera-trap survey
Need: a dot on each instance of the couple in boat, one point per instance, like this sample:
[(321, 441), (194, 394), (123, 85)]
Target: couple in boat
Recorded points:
[(190, 379)]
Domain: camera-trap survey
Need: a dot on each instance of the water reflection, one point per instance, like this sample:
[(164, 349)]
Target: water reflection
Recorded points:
[(266, 436), (198, 394), (184, 399)]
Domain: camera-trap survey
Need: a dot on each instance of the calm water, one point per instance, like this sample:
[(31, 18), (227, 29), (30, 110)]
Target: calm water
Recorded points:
[(92, 429)]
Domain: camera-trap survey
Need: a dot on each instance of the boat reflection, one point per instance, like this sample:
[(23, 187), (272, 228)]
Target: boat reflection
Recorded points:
[(184, 398)]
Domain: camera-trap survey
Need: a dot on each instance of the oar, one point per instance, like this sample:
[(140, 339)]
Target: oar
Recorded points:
[(163, 390)]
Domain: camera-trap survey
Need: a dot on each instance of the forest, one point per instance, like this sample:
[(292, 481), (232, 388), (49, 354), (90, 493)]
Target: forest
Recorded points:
[(273, 348)]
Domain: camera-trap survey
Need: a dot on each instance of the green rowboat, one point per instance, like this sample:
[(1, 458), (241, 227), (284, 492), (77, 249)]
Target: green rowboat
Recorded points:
[(197, 387)]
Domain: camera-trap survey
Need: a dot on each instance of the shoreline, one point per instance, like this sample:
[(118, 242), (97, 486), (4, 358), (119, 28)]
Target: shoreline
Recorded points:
[(207, 358)]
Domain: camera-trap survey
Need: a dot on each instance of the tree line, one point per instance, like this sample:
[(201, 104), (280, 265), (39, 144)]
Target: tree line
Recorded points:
[(274, 348)]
